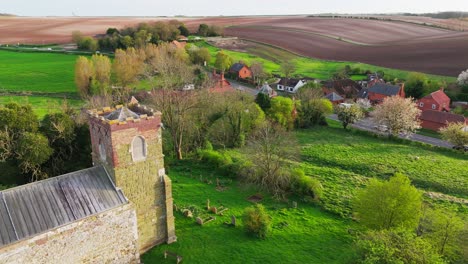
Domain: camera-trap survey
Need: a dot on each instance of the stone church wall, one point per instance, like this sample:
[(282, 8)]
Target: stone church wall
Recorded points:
[(109, 237)]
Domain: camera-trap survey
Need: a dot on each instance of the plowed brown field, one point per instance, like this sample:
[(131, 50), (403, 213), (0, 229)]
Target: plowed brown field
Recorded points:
[(391, 44)]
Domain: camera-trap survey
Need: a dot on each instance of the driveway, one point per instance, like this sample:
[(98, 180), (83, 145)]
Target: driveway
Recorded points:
[(242, 87), (368, 124)]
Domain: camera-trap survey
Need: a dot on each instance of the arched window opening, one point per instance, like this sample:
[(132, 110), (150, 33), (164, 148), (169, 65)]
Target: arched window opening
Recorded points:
[(138, 148), (102, 151)]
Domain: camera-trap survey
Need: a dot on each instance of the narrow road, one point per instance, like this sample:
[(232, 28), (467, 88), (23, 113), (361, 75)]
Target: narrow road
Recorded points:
[(368, 125), (242, 87)]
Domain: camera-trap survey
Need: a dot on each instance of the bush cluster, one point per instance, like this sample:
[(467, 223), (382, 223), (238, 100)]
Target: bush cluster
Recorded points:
[(257, 222)]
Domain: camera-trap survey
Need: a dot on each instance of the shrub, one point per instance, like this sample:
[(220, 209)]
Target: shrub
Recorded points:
[(306, 186), (256, 221), (214, 158)]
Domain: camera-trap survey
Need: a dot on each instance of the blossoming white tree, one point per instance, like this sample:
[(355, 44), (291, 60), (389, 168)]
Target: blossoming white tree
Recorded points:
[(463, 78), (400, 115)]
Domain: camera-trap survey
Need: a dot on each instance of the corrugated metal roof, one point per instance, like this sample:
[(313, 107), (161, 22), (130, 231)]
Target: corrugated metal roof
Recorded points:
[(37, 207)]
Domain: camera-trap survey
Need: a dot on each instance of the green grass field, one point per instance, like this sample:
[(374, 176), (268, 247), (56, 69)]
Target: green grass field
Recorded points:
[(41, 105), (302, 235), (344, 161), (37, 72)]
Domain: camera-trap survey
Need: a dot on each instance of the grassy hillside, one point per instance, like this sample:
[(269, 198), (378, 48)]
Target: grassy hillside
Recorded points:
[(344, 161), (302, 235), (37, 72)]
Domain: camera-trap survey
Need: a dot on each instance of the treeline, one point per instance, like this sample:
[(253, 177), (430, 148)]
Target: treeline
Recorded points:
[(441, 15), (31, 150), (141, 35)]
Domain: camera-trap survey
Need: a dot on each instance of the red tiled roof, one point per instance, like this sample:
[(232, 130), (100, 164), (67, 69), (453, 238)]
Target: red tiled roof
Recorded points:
[(441, 117), (441, 98)]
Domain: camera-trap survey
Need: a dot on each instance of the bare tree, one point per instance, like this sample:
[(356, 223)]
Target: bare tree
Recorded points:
[(287, 68), (270, 150), (400, 115), (257, 72)]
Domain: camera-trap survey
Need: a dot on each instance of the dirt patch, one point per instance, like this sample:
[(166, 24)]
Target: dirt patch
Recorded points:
[(256, 198), (232, 44)]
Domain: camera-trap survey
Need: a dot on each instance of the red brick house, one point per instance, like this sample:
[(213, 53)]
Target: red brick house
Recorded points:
[(345, 88), (179, 44), (240, 70), (220, 84), (377, 93), (435, 120), (437, 100)]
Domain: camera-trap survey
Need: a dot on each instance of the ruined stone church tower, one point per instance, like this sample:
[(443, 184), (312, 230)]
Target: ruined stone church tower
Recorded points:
[(127, 142)]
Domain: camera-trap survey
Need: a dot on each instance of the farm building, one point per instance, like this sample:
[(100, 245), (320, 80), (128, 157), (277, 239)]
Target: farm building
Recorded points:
[(220, 84), (346, 88), (110, 213), (435, 120), (179, 44), (266, 89), (437, 100), (290, 85), (335, 98), (377, 93), (240, 71)]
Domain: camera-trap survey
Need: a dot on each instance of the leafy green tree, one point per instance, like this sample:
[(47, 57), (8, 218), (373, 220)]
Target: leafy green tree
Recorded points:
[(281, 111), (443, 229), (112, 31), (126, 42), (313, 111), (203, 30), (455, 133), (88, 43), (18, 119), (184, 30), (415, 85), (395, 247), (199, 55), (223, 61), (389, 204), (257, 221), (264, 101), (32, 150), (349, 114)]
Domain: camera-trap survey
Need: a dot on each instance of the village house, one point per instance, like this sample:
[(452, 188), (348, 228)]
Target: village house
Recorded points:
[(266, 89), (220, 84), (179, 44), (437, 100), (290, 85), (240, 71), (378, 92), (345, 88), (110, 213), (335, 98), (435, 120)]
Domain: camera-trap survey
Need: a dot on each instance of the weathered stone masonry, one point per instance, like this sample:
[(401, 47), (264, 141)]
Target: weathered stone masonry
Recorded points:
[(109, 237), (143, 182)]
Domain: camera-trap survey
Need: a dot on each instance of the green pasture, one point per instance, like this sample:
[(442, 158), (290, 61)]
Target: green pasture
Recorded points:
[(41, 105), (344, 161), (37, 72), (303, 235)]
